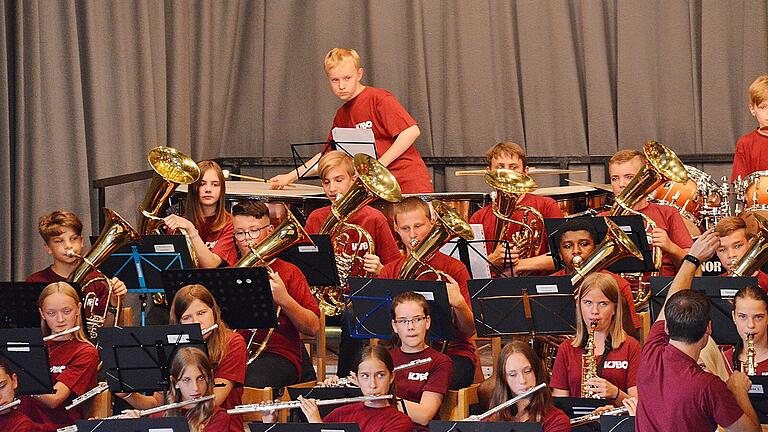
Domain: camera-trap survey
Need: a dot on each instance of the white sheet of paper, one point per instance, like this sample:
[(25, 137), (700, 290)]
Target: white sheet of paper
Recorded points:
[(477, 256), (363, 139)]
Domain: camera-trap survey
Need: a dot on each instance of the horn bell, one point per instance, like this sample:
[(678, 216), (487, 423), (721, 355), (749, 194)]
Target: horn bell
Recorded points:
[(755, 257), (285, 235), (615, 246)]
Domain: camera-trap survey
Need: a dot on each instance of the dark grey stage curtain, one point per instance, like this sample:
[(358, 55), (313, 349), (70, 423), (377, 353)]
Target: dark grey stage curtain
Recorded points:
[(88, 87)]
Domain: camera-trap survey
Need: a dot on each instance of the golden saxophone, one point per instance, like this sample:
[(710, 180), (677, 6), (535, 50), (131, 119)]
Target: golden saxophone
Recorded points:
[(749, 366), (589, 364)]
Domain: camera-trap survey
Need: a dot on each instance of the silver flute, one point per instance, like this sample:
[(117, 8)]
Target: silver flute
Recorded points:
[(243, 409), (591, 417), (87, 395), (347, 381), (65, 332), (510, 402), (210, 329), (9, 405)]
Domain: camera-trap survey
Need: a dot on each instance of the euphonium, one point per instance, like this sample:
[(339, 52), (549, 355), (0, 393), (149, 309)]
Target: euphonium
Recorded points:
[(750, 364), (116, 233), (448, 224), (755, 257), (287, 234), (589, 364), (662, 166), (373, 181), (529, 239), (615, 246)]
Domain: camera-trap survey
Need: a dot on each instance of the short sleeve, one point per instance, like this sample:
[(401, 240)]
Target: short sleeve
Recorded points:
[(232, 366), (440, 377), (80, 374), (225, 245), (559, 378), (719, 401), (394, 118), (633, 359)]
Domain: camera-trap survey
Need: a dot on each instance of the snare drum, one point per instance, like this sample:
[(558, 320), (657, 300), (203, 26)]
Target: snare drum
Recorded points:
[(756, 191)]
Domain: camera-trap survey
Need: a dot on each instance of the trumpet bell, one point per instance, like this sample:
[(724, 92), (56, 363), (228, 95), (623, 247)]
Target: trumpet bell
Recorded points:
[(615, 246), (288, 233), (510, 182)]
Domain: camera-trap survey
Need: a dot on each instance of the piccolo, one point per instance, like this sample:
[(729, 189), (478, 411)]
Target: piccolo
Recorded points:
[(243, 409), (87, 395), (510, 402), (589, 418), (9, 405), (347, 381), (65, 332), (210, 329)]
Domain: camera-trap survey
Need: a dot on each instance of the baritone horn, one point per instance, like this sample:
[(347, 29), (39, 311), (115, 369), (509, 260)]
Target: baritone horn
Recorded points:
[(287, 234), (374, 181), (448, 224), (115, 234)]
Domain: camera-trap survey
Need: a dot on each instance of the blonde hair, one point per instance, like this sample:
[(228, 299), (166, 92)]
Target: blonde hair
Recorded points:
[(53, 224), (410, 204), (337, 56), (334, 159), (626, 155), (728, 225), (505, 148), (67, 290), (607, 285), (758, 90)]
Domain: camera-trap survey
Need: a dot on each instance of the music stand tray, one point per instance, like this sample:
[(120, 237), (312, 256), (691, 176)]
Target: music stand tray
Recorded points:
[(720, 291), (619, 423), (633, 226), (370, 301), (136, 359), (304, 427), (28, 358), (143, 424), (475, 426), (317, 262), (18, 304), (320, 393), (499, 305), (758, 395), (243, 294)]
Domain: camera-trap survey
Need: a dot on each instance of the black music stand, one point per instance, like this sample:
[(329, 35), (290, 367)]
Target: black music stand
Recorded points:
[(758, 395), (304, 427), (243, 294), (317, 261), (532, 305), (136, 359), (144, 424), (370, 300), (577, 407), (633, 226), (18, 304), (474, 255), (140, 266), (298, 159), (475, 426), (320, 393), (620, 423), (28, 358), (720, 291)]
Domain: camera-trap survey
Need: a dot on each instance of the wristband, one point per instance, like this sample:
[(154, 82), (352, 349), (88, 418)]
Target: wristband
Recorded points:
[(692, 259)]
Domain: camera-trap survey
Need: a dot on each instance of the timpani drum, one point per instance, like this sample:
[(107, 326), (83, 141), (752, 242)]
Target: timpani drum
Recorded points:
[(695, 199), (575, 199), (756, 191), (302, 198)]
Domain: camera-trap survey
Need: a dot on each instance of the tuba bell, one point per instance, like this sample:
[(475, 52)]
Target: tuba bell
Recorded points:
[(448, 224), (287, 234), (115, 234), (374, 181), (529, 239), (755, 257)]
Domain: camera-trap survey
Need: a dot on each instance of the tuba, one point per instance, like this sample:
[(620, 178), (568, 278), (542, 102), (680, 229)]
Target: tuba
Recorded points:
[(663, 165), (756, 256), (529, 239), (448, 224), (115, 234), (374, 181), (287, 234)]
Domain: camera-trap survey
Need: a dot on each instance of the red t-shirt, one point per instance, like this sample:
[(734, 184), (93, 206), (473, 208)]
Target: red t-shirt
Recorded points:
[(379, 110), (624, 288), (94, 294), (619, 367), (545, 205), (218, 421), (676, 394), (461, 345), (434, 376), (286, 339), (761, 369), (751, 155), (232, 367), (370, 220), (73, 363), (555, 420), (387, 419), (221, 242), (15, 421)]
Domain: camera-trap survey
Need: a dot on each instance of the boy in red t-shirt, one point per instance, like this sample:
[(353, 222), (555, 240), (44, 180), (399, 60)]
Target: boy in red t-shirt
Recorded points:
[(371, 108), (735, 240), (62, 231), (752, 149)]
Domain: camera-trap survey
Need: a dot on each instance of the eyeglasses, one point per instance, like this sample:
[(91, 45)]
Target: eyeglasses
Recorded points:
[(241, 235), (415, 320)]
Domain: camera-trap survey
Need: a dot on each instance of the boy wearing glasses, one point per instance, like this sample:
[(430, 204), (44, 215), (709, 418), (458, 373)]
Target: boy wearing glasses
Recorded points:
[(280, 363)]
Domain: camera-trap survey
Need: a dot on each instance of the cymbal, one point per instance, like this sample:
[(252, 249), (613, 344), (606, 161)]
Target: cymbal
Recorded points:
[(600, 186), (531, 172)]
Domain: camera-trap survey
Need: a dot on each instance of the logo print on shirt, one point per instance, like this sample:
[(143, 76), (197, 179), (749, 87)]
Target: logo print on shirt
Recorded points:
[(616, 364), (416, 376), (365, 125), (211, 244), (58, 369)]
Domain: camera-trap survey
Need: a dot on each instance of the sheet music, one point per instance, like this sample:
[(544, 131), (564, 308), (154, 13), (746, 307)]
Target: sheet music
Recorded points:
[(354, 141), (477, 256)]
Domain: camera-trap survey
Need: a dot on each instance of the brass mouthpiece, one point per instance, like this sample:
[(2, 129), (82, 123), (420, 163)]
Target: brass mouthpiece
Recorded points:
[(576, 261), (414, 242)]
